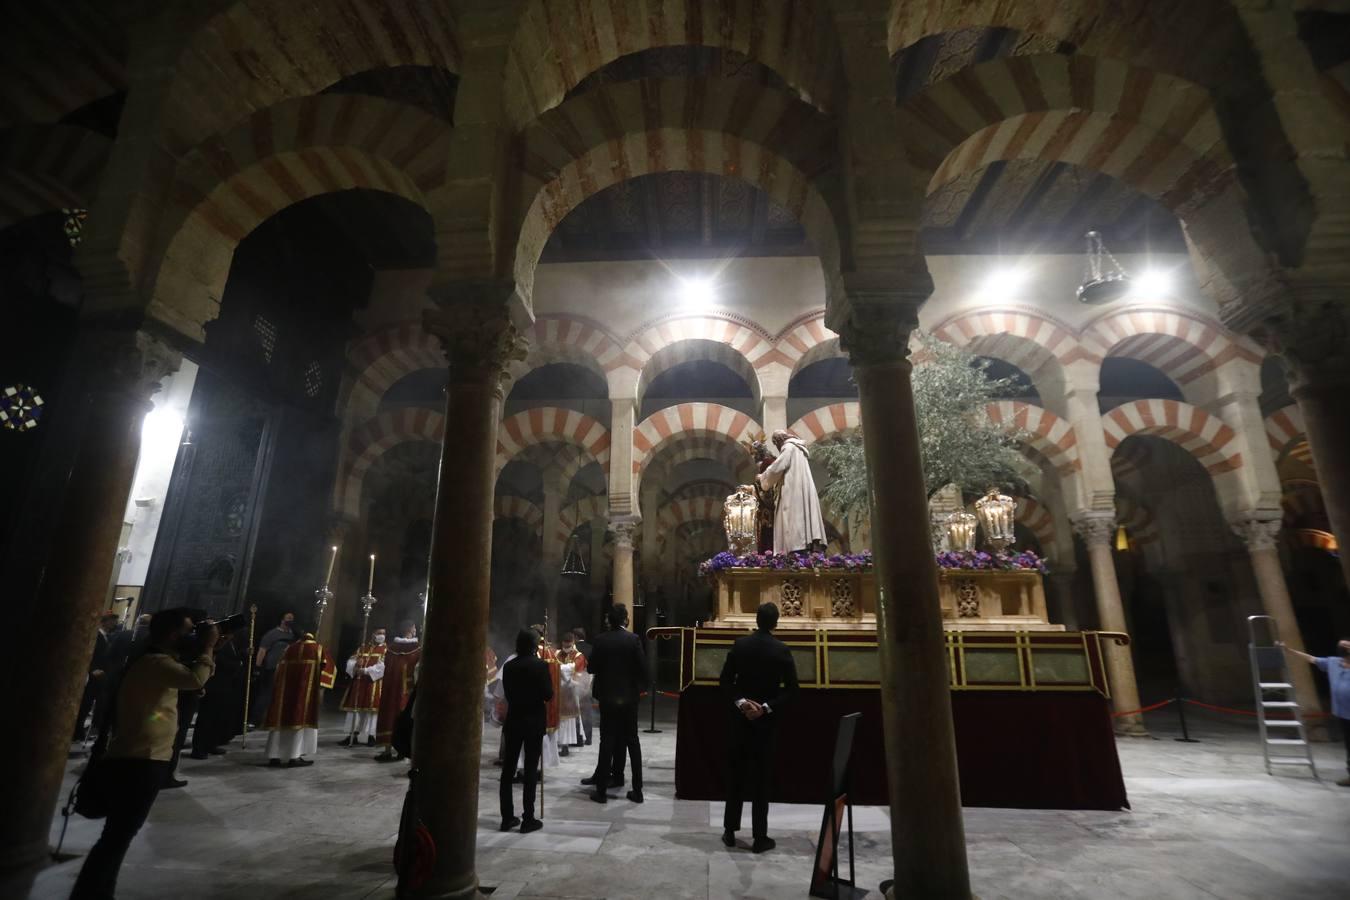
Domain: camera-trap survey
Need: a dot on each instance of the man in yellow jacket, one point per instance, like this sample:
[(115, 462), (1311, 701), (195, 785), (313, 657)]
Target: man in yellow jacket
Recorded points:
[(138, 754)]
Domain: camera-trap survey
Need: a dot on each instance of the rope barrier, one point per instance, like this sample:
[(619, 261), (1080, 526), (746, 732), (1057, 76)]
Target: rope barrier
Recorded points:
[(1210, 706), (1133, 712)]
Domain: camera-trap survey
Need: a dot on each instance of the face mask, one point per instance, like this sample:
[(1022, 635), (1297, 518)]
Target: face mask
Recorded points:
[(379, 639)]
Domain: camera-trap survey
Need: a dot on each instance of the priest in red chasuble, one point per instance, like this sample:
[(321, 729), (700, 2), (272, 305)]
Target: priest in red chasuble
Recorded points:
[(400, 671), (292, 720), (361, 702)]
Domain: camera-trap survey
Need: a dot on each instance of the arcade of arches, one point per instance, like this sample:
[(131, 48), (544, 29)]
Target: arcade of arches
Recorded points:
[(478, 286)]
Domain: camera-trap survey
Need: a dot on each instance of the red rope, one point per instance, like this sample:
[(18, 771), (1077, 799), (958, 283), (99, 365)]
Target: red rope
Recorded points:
[(1159, 705)]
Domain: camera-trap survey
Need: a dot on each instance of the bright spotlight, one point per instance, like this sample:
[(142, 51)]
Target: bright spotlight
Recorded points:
[(697, 292), (1151, 283), (162, 426), (1004, 284)]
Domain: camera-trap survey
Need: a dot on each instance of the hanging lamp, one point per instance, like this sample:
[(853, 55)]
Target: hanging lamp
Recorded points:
[(573, 564), (1105, 280)]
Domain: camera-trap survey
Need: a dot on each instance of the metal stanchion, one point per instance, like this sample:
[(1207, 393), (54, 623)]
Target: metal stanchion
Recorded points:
[(1181, 715)]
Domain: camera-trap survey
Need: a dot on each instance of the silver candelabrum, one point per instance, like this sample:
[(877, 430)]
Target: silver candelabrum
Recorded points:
[(322, 597)]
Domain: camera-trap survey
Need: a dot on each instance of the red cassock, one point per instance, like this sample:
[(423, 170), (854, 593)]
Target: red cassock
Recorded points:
[(304, 670), (363, 695), (399, 666)]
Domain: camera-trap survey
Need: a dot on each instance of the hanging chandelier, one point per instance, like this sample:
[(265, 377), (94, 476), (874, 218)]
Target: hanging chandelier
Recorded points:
[(1105, 279), (573, 564)]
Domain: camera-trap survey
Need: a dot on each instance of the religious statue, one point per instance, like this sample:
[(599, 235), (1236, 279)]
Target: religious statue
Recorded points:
[(767, 497), (797, 523), (740, 518)]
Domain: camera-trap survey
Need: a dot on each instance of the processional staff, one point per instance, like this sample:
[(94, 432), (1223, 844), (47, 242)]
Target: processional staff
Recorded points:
[(367, 604), (248, 681)]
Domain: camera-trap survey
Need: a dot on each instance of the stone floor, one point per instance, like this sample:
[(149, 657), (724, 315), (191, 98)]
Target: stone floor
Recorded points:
[(1206, 822)]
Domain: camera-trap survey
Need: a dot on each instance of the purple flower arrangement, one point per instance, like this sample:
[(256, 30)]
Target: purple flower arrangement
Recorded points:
[(1025, 560), (804, 562)]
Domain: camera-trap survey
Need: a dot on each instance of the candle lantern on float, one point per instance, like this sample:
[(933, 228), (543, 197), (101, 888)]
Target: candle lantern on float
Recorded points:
[(961, 530), (997, 513)]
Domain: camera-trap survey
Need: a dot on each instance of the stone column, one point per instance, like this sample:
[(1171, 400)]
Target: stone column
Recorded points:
[(598, 554), (1098, 529), (775, 413), (1314, 341), (551, 550), (927, 831), (121, 372), (623, 528), (474, 326), (1259, 535)]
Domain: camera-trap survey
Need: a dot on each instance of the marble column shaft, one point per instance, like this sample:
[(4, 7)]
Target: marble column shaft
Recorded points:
[(1326, 421), (927, 830), (623, 561), (1097, 531), (122, 371), (1259, 536), (480, 340)]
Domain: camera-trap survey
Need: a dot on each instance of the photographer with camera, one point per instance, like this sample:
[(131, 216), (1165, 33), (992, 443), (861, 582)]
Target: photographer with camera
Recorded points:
[(144, 725)]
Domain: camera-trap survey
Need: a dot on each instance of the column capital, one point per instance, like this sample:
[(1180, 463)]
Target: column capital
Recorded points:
[(623, 528), (1313, 339), (1258, 533), (877, 327), (474, 324), (1095, 527), (129, 364)]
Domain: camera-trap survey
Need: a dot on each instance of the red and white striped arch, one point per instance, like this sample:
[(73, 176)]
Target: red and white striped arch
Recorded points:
[(572, 515), (729, 127), (1041, 430), (570, 339), (1028, 340), (544, 424), (1156, 132), (508, 506), (689, 509), (558, 43), (254, 55), (806, 341), (688, 420), (1284, 426), (1183, 346), (1038, 520), (716, 448), (1204, 436), (719, 338), (233, 182), (381, 358), (837, 418), (372, 439), (47, 167)]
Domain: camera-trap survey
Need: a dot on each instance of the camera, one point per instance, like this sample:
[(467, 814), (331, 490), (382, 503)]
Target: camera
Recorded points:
[(193, 643)]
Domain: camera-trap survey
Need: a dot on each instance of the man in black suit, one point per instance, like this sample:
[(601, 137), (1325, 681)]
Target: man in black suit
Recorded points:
[(759, 679), (528, 688), (618, 668), (95, 686)]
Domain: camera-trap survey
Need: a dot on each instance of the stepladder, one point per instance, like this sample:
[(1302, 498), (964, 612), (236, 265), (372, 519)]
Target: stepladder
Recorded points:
[(1284, 736)]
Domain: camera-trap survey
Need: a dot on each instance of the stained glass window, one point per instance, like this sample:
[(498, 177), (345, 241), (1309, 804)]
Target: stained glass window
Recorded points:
[(266, 330), (20, 408)]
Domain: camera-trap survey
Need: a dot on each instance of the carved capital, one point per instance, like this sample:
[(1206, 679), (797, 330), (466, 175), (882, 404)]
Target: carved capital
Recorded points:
[(127, 364), (623, 529), (1258, 534), (877, 328), (1096, 528), (1313, 339), (474, 325)]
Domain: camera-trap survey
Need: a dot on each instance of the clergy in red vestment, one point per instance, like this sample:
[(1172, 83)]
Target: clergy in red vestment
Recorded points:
[(361, 702), (293, 718), (400, 668)]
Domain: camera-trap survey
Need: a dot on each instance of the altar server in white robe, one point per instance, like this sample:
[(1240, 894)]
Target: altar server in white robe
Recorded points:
[(797, 522)]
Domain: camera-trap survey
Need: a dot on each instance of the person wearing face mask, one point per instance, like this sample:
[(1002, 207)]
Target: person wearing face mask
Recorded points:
[(361, 702), (270, 650)]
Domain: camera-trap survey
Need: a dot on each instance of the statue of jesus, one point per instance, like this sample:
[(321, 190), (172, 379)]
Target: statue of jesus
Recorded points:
[(797, 523)]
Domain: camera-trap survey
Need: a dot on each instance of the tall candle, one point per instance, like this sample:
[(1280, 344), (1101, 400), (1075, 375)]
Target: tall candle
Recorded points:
[(328, 579), (370, 585)]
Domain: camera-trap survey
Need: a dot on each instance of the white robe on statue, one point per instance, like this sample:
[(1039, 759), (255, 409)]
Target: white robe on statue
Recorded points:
[(797, 522)]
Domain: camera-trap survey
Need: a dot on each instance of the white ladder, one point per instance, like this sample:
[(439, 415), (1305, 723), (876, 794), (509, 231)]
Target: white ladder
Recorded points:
[(1274, 690)]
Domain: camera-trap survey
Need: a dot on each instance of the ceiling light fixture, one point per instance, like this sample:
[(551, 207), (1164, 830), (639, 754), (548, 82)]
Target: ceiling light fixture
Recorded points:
[(1105, 280), (697, 292), (1004, 284), (1152, 284)]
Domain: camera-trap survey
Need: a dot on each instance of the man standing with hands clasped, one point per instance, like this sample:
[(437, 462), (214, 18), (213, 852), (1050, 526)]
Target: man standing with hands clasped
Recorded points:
[(528, 686), (618, 670), (759, 679)]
